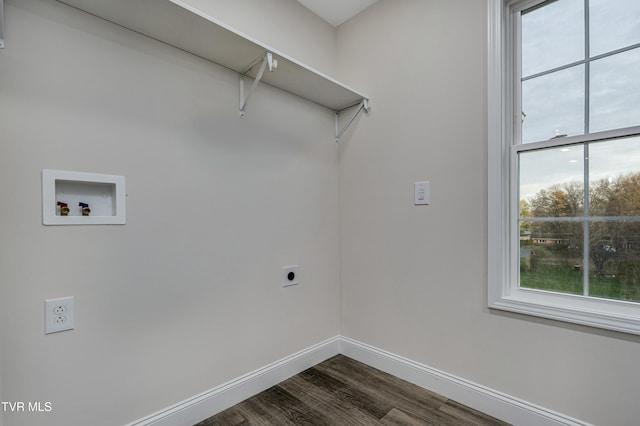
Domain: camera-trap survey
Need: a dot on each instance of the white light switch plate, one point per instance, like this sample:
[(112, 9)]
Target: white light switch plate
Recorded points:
[(421, 193)]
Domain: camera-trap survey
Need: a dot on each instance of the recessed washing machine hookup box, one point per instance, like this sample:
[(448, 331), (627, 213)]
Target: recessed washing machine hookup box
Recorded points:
[(74, 198)]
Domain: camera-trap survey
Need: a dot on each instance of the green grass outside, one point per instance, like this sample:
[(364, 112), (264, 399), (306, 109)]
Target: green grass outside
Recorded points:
[(564, 279)]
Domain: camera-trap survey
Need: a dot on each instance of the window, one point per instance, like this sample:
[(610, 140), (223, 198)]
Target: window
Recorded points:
[(564, 160)]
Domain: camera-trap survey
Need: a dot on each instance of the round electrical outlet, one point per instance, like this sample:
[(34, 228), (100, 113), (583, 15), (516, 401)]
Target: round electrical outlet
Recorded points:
[(290, 275)]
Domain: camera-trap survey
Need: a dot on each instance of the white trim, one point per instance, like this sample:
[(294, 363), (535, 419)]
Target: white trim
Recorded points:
[(478, 397), (622, 132), (607, 314), (206, 404), (497, 191)]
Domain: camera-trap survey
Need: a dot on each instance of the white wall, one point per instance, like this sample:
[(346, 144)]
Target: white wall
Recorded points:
[(187, 294), (414, 278), (284, 25)]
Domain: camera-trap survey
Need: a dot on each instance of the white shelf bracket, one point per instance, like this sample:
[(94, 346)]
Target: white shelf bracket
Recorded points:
[(267, 61), (362, 106), (1, 24)]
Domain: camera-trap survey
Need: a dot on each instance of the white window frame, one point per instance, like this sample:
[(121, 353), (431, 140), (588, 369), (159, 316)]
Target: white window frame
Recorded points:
[(503, 291)]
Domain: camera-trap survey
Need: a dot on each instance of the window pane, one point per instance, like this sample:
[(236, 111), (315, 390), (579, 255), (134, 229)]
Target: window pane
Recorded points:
[(614, 177), (615, 91), (551, 182), (613, 26), (551, 257), (614, 257), (553, 105), (552, 36)]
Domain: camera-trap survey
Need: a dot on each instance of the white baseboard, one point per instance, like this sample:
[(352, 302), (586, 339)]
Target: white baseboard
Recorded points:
[(496, 404), (199, 407), (481, 398)]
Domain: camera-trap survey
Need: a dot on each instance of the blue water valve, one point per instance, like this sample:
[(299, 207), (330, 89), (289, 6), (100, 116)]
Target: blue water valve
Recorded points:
[(85, 208)]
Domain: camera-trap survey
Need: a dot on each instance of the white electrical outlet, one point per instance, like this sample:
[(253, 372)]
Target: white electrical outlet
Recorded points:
[(421, 193), (58, 315), (290, 275)]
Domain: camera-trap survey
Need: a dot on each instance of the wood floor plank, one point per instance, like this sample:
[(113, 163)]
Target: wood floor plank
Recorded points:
[(345, 392), (337, 409), (229, 417), (255, 413), (367, 374), (397, 417), (384, 387), (349, 393), (466, 414), (285, 409)]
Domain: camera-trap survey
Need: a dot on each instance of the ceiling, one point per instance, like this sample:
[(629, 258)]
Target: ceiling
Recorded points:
[(336, 12)]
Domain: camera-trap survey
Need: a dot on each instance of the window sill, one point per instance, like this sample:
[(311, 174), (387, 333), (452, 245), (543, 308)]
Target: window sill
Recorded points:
[(607, 314)]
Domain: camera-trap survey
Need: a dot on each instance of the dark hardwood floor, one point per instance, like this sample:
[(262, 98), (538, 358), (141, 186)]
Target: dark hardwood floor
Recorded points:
[(342, 391)]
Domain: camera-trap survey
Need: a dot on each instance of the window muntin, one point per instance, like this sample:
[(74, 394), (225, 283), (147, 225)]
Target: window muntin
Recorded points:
[(579, 219), (553, 105), (555, 28), (613, 26), (577, 69), (504, 147), (578, 227), (614, 100), (552, 182)]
